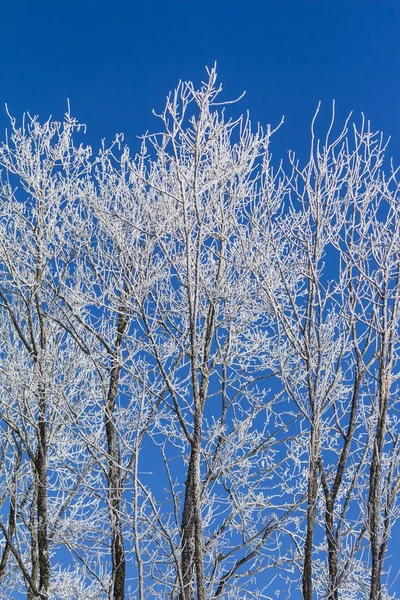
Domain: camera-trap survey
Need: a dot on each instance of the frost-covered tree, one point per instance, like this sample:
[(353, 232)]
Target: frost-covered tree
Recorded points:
[(199, 362)]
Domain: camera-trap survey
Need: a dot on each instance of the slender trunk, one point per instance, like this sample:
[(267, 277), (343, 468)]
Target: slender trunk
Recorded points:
[(34, 549), (192, 530), (192, 561), (41, 499), (40, 465), (11, 518), (374, 508), (117, 589), (374, 498), (311, 510), (198, 522), (188, 537), (7, 547), (332, 552)]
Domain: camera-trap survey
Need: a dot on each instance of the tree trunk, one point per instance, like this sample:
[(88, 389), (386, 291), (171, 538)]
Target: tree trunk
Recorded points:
[(192, 562), (117, 589), (188, 537), (41, 499), (374, 498), (332, 552), (311, 508), (374, 509)]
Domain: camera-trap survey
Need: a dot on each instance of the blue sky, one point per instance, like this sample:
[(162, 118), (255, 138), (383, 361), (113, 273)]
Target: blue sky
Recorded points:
[(118, 60)]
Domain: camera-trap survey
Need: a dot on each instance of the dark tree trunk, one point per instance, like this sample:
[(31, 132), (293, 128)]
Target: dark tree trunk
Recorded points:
[(192, 531), (374, 510), (118, 575), (332, 552), (307, 587), (188, 538), (41, 498), (374, 499)]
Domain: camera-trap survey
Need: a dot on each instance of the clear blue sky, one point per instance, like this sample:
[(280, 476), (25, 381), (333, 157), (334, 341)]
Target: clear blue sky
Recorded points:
[(117, 60)]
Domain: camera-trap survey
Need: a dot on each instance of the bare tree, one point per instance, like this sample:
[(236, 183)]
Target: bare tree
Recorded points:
[(212, 344), (335, 317), (32, 228), (198, 386)]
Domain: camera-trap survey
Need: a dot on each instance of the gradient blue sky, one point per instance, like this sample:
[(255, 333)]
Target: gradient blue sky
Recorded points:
[(118, 60)]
